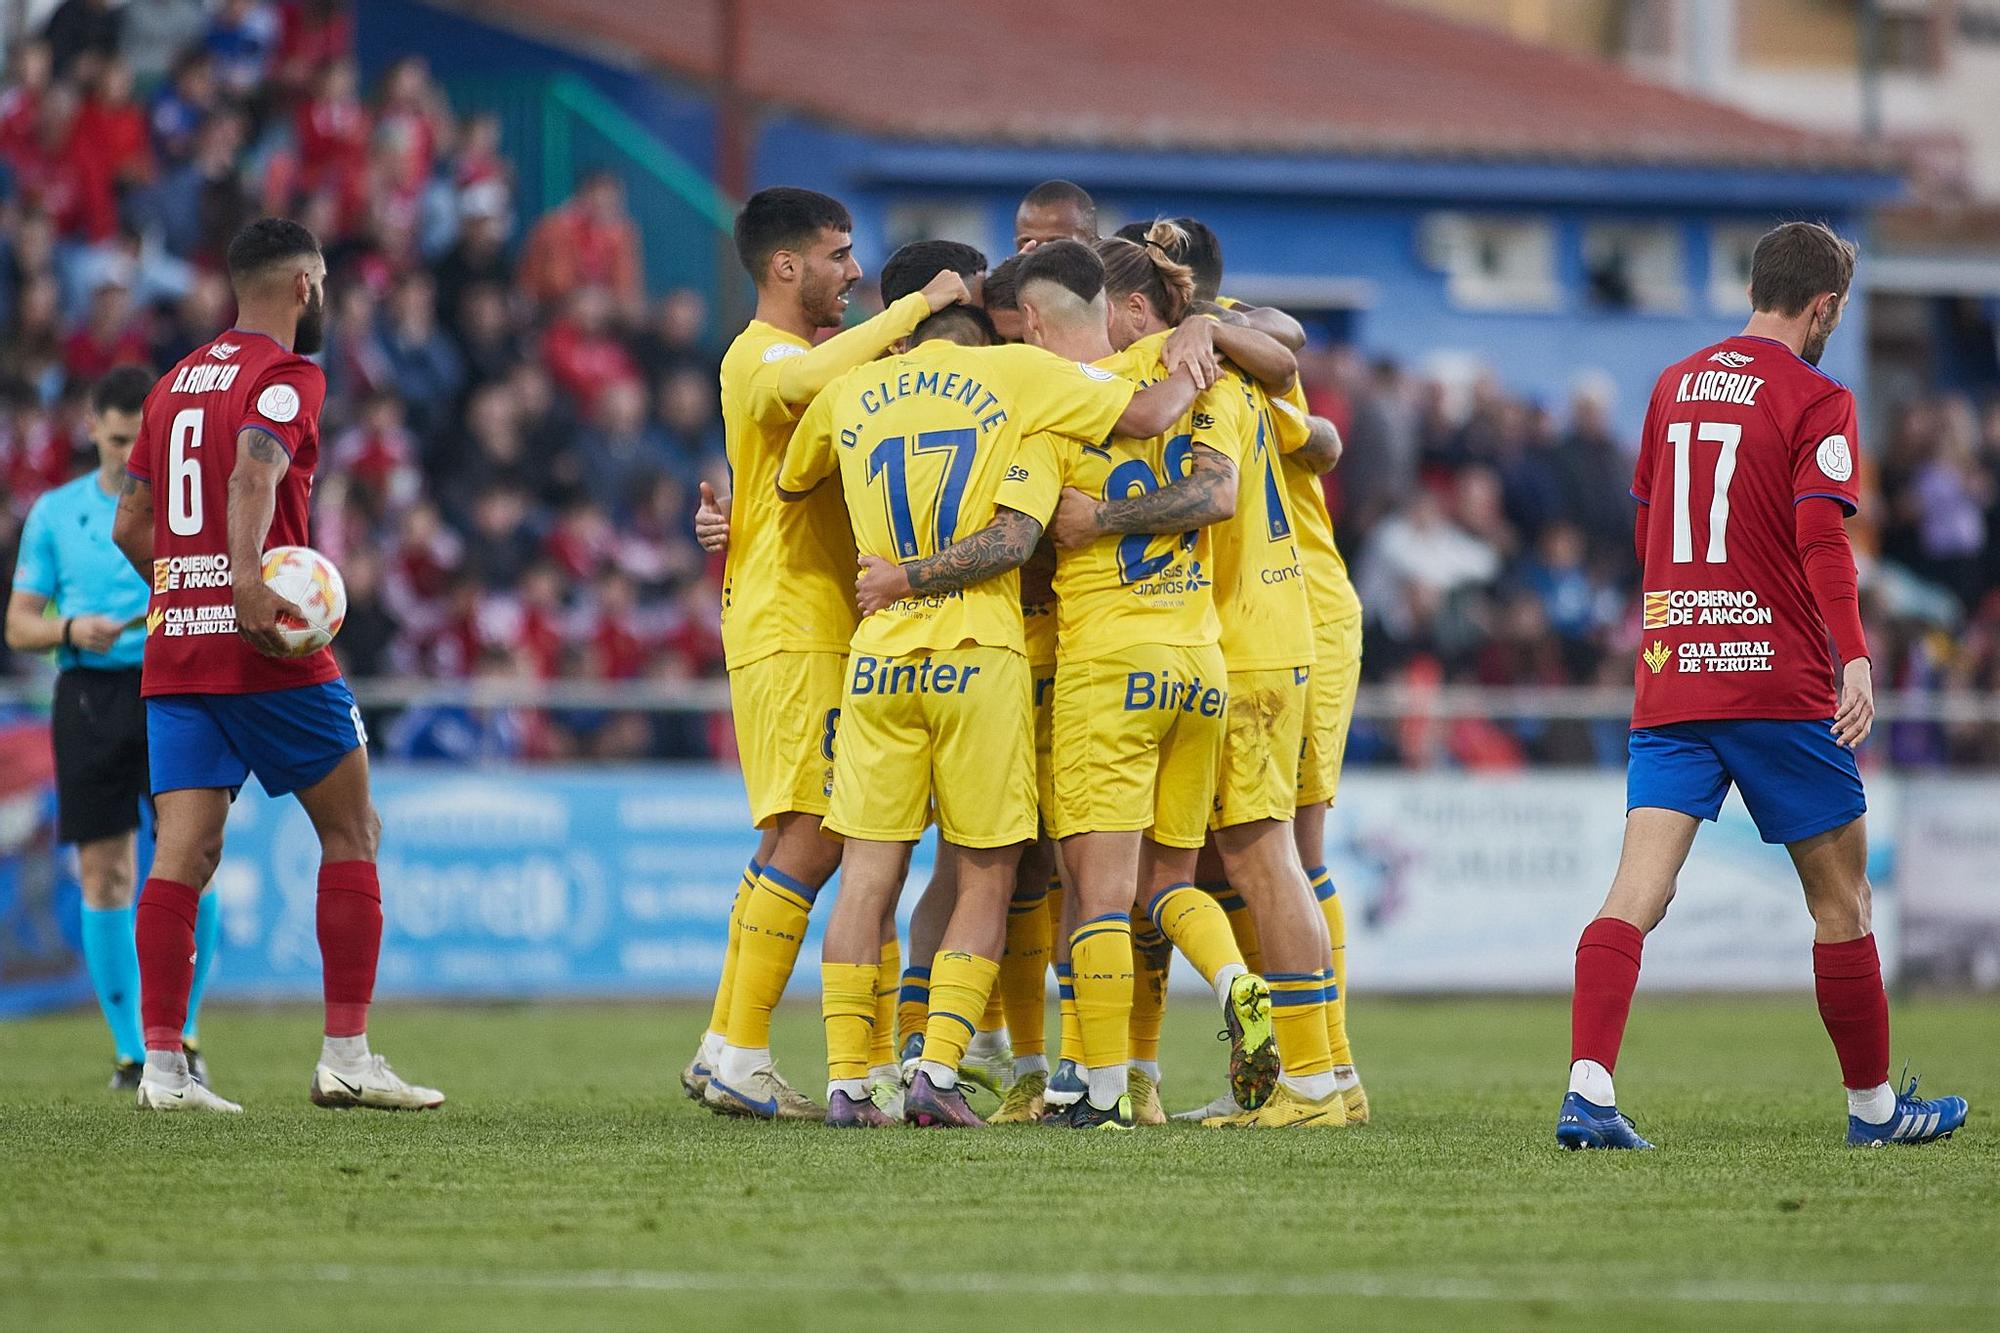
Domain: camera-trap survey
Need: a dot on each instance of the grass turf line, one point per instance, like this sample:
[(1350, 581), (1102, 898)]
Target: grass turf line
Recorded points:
[(568, 1184)]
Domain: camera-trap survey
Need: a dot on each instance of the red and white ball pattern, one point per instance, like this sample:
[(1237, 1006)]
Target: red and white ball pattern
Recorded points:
[(308, 580)]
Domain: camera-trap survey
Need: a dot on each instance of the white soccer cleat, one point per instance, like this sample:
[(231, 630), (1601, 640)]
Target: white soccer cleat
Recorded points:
[(1221, 1106), (157, 1095), (372, 1084)]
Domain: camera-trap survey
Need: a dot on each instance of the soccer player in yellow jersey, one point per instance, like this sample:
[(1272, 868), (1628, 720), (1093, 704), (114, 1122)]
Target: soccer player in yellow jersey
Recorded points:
[(1336, 632), (946, 502), (1055, 211), (1139, 683), (1266, 640), (787, 614)]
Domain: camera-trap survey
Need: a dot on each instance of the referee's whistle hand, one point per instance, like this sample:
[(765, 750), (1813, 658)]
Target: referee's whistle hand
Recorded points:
[(95, 634)]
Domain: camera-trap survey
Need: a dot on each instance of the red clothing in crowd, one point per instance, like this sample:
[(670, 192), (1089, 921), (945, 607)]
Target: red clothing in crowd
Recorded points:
[(571, 248)]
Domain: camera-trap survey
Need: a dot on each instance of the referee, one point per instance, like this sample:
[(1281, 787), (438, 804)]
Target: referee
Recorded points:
[(99, 636)]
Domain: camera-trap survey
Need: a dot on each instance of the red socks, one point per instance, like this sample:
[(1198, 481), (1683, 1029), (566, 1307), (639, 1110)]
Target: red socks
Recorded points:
[(1847, 978), (350, 940), (163, 928), (1607, 970)]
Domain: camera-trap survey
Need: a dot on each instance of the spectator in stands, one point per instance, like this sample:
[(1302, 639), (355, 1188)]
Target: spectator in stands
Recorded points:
[(589, 241), (424, 366), (689, 412), (619, 451), (112, 335), (582, 356), (242, 38), (184, 105), (477, 259), (79, 30), (502, 543), (28, 74), (677, 338), (59, 173), (113, 122), (1597, 474), (1414, 567), (153, 35)]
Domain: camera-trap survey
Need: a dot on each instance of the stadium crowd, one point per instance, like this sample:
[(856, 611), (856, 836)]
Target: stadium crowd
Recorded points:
[(515, 432)]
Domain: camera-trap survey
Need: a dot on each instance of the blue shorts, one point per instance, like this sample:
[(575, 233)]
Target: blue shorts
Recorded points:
[(1796, 779), (289, 738)]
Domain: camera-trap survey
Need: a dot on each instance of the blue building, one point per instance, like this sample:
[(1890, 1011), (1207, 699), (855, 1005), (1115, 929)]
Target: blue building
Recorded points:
[(1416, 188)]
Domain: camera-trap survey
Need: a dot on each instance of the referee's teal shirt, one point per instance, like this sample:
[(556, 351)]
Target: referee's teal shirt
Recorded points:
[(68, 557)]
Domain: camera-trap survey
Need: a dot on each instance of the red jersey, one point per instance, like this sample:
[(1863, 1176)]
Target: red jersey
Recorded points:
[(186, 451), (1736, 436)]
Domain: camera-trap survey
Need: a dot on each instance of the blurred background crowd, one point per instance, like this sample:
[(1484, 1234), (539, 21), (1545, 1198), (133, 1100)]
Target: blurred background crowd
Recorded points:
[(514, 431)]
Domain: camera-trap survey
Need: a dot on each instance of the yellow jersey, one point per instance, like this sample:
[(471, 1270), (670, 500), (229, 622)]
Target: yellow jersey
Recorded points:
[(1331, 591), (788, 580), (928, 444), (1267, 617), (1124, 590)]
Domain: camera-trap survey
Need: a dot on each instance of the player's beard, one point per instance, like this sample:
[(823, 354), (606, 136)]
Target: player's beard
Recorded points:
[(821, 302), (310, 335), (1816, 339)]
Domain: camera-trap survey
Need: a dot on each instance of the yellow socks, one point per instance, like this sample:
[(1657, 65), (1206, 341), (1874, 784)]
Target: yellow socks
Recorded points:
[(1151, 955), (1336, 993), (847, 1004), (1241, 924), (882, 1040), (1100, 957), (1298, 1017), (774, 924), (913, 1004), (960, 983), (1024, 971), (1069, 1036), (718, 1014), (995, 1016), (1198, 927)]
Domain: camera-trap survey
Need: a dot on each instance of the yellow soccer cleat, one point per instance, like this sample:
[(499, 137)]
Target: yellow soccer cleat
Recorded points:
[(1287, 1110), (1023, 1103), (1357, 1105), (1253, 1043), (1145, 1095)]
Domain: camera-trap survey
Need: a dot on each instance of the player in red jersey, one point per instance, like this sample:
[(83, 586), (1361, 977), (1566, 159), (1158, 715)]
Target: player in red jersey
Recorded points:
[(1745, 474), (231, 435)]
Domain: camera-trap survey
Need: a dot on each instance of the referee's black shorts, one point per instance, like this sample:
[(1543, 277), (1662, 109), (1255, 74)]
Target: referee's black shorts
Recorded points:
[(100, 743)]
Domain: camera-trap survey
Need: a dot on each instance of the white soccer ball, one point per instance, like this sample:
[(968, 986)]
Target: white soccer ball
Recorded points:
[(308, 580)]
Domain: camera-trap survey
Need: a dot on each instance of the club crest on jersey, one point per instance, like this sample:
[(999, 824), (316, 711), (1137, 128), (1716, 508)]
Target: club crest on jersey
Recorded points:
[(1835, 458), (1095, 372), (279, 403), (1733, 359), (779, 351), (223, 351), (1656, 656)]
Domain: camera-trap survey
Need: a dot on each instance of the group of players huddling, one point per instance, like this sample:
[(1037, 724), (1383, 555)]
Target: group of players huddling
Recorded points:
[(1040, 555)]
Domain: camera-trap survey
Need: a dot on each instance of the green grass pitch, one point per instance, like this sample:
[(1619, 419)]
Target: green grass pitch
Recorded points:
[(568, 1185)]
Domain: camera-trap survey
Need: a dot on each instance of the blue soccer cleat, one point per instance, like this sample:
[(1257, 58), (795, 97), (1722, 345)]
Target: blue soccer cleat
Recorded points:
[(1587, 1125), (1915, 1121)]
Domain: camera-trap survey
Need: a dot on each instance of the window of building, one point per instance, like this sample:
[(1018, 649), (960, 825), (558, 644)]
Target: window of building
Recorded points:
[(1493, 263), (1633, 266), (1729, 251), (939, 220)]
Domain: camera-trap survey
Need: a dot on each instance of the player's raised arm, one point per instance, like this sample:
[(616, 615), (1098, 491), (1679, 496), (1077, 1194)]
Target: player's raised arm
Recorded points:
[(1155, 408), (253, 500), (799, 379), (1261, 356), (1322, 448), (1267, 319)]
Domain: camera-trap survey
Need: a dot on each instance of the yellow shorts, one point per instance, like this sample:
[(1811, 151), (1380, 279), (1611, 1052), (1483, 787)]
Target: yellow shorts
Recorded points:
[(1260, 755), (1329, 708), (1044, 676), (956, 723), (786, 707), (1139, 734)]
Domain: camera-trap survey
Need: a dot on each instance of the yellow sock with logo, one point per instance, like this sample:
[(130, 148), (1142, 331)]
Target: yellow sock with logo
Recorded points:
[(913, 1003), (847, 1004), (1336, 993), (1198, 927), (1151, 956), (1069, 1035), (1242, 924), (1100, 959), (1298, 1020), (1024, 972), (725, 987), (960, 983), (882, 1039), (774, 925)]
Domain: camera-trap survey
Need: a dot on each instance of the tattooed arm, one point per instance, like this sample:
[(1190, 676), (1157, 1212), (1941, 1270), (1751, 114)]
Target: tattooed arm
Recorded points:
[(132, 526), (253, 501), (1206, 495), (1004, 544), (1322, 449), (1265, 319)]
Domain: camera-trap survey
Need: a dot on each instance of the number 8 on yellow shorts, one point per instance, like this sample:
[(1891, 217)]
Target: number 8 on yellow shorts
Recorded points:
[(954, 723), (786, 707)]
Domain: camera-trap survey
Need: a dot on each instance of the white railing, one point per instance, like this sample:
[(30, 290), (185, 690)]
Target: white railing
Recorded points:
[(1376, 702)]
